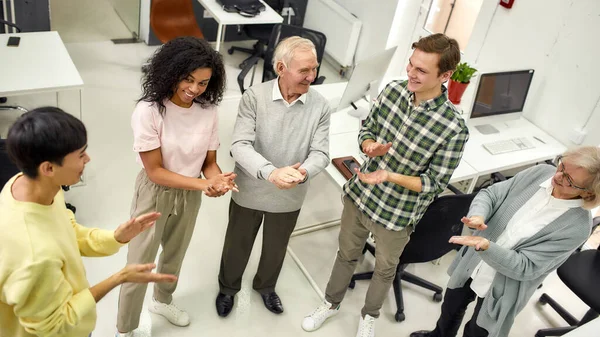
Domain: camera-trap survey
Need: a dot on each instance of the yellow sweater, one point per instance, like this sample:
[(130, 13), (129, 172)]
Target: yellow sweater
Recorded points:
[(43, 286)]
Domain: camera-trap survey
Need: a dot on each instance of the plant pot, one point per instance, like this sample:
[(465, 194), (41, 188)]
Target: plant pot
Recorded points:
[(456, 91)]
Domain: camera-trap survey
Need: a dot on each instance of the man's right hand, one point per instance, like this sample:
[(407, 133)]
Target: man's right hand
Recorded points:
[(141, 273), (475, 222), (374, 149), (286, 177)]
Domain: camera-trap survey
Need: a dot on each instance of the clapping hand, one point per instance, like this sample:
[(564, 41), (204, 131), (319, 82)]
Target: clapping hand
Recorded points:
[(375, 149), (130, 229), (372, 178), (475, 222), (287, 177), (221, 184)]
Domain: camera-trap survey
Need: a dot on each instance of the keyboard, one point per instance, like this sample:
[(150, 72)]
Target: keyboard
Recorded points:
[(508, 145)]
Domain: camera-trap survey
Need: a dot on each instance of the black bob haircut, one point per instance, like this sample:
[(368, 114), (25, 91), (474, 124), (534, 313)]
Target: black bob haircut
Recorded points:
[(175, 61), (44, 134)]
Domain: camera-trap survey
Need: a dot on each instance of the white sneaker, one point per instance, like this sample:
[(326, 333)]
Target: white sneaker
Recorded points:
[(134, 333), (315, 319), (366, 327), (124, 334), (169, 311)]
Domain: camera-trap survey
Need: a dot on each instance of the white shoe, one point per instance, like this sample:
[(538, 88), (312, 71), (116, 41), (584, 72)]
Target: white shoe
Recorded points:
[(169, 311), (134, 333), (315, 319), (124, 334), (366, 327)]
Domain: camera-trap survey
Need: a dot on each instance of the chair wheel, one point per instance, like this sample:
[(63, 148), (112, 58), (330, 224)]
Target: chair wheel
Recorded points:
[(437, 297), (3, 99), (242, 65), (230, 51), (542, 300), (400, 317), (352, 284)]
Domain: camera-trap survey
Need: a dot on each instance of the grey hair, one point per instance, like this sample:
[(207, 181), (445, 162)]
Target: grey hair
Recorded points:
[(588, 157), (287, 48)]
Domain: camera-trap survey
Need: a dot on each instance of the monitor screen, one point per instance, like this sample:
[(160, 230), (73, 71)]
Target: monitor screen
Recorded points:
[(501, 93), (365, 73)]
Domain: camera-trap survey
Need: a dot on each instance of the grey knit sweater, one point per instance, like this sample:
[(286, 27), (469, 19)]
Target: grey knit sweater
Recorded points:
[(522, 269), (268, 135)]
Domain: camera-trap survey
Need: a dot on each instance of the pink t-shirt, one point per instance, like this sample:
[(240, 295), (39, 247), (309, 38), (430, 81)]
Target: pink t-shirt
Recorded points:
[(184, 135)]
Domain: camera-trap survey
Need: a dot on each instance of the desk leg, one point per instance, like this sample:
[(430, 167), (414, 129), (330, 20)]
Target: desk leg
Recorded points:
[(472, 184), (219, 36)]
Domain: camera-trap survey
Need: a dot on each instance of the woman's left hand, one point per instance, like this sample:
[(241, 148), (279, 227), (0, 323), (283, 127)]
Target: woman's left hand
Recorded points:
[(127, 231), (472, 241)]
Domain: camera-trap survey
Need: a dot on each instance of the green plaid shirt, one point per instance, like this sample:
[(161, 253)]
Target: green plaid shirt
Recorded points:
[(427, 141)]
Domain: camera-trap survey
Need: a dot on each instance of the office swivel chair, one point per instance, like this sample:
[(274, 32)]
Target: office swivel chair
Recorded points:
[(262, 33), (173, 18), (581, 274), (279, 33), (428, 242)]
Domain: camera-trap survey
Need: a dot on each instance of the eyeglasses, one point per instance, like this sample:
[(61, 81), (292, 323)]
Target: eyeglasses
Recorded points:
[(561, 167)]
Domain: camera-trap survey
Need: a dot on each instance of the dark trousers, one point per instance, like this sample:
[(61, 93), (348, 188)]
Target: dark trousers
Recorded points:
[(243, 226), (453, 310)]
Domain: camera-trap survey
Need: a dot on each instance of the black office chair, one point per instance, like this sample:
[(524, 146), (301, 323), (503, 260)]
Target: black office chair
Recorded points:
[(279, 33), (4, 22), (581, 274), (262, 33), (428, 242)]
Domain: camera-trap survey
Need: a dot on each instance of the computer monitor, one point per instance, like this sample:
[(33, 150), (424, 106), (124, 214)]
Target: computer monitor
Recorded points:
[(366, 77), (502, 93)]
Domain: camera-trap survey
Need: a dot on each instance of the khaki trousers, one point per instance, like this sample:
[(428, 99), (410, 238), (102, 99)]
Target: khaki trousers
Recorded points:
[(354, 231), (173, 231)]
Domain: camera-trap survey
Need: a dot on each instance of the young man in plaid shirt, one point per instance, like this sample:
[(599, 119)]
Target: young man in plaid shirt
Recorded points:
[(414, 138)]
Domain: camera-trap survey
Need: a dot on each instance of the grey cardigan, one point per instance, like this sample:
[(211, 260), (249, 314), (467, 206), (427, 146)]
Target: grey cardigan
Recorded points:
[(522, 269)]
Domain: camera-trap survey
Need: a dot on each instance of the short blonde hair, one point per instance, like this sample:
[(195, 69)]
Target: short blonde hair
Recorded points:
[(588, 157), (287, 48)]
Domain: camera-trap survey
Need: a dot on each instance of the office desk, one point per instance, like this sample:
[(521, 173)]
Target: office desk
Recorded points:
[(224, 18), (39, 64), (485, 163)]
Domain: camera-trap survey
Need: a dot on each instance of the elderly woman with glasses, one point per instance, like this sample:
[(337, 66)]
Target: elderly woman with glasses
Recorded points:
[(525, 228)]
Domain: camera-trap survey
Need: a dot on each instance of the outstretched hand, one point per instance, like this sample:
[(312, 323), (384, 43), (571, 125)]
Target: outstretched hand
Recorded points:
[(372, 178), (375, 149), (475, 222), (130, 229)]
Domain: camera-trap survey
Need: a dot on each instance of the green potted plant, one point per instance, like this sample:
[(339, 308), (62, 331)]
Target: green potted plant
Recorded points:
[(459, 81)]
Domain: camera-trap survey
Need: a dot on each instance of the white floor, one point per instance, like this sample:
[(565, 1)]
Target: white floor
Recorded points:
[(111, 74)]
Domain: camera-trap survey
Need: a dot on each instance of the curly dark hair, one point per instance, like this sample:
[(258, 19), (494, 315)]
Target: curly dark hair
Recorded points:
[(175, 61)]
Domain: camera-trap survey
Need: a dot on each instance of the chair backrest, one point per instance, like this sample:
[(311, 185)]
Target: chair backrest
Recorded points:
[(173, 18), (280, 32), (7, 168), (441, 221), (8, 23)]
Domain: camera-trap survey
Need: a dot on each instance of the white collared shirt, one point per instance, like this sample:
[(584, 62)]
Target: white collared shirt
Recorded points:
[(278, 96), (534, 215)]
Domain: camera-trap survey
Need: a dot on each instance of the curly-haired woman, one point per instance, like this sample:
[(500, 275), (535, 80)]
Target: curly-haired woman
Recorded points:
[(175, 134)]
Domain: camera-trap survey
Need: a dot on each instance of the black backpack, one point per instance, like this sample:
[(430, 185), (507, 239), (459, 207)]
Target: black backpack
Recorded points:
[(247, 8)]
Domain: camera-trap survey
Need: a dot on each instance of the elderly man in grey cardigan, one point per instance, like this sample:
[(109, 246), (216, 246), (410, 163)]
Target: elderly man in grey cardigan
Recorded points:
[(280, 140), (525, 228)]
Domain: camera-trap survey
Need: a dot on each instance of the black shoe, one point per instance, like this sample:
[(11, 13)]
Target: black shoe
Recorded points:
[(422, 333), (224, 304), (272, 302)]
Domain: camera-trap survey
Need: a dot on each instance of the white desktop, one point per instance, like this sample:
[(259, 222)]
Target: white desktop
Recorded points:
[(364, 83), (500, 97)]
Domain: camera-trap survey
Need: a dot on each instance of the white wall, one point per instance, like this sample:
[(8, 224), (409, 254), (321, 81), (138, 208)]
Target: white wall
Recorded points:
[(145, 20), (377, 17)]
